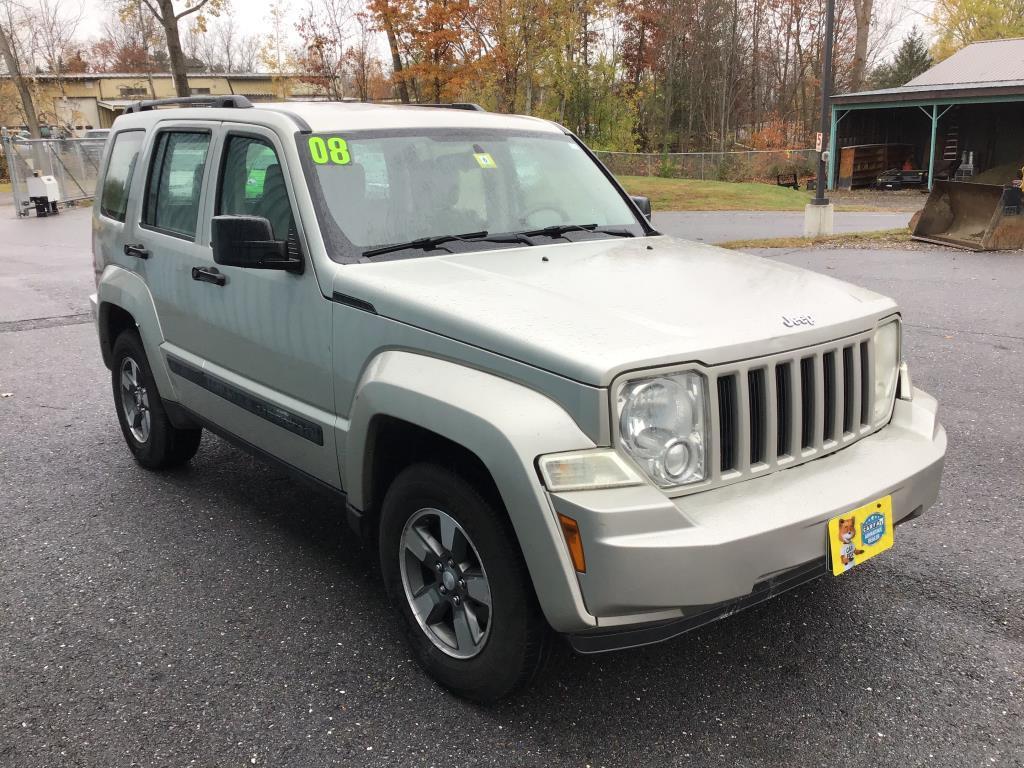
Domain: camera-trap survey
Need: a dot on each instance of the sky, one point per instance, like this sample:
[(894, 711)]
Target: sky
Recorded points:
[(252, 16)]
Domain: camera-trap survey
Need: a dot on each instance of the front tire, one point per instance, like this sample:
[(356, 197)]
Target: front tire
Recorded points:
[(153, 440), (452, 565)]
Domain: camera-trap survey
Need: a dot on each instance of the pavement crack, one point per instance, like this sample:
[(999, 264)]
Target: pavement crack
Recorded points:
[(13, 326)]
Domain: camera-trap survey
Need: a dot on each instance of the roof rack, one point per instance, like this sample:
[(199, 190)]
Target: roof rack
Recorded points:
[(454, 105), (238, 102)]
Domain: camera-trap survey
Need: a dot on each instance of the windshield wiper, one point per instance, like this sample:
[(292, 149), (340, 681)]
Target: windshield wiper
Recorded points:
[(524, 237), (423, 243), (557, 230), (560, 230), (617, 231)]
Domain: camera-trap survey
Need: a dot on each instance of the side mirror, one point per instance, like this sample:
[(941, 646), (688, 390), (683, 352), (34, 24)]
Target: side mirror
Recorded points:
[(248, 241), (643, 203)]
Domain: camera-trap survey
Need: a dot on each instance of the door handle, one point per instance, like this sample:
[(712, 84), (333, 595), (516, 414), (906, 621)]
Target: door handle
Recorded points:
[(208, 275), (138, 250)]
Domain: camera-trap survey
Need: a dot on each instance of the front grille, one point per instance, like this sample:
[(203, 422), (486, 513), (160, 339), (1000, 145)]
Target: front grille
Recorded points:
[(779, 411)]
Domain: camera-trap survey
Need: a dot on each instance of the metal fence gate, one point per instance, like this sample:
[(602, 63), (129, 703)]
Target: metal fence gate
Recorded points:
[(74, 163)]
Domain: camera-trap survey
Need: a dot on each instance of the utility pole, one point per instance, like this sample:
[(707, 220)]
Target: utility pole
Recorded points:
[(818, 214)]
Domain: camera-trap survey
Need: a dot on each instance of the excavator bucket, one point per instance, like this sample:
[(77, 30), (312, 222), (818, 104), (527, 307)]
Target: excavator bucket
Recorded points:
[(977, 217)]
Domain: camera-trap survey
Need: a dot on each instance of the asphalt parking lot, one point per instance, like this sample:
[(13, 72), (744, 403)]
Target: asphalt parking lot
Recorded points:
[(218, 615), (725, 226)]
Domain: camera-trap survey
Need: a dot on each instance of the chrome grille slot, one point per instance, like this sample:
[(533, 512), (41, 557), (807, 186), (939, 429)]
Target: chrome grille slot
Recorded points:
[(865, 384), (848, 390), (783, 409), (758, 415), (829, 363), (728, 419), (807, 403)]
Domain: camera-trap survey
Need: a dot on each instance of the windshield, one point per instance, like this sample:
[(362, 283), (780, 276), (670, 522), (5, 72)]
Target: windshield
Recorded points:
[(381, 188)]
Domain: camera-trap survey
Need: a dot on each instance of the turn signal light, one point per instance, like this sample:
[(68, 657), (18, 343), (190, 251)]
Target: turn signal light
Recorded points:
[(573, 540)]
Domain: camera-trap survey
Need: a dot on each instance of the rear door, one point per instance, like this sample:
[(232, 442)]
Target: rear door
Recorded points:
[(113, 197), (170, 227)]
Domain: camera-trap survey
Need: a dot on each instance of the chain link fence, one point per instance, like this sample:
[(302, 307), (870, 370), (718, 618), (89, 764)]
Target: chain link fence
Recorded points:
[(74, 163), (753, 165)]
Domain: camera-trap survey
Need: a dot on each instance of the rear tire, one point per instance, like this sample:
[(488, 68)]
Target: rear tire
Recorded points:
[(452, 566), (153, 440)]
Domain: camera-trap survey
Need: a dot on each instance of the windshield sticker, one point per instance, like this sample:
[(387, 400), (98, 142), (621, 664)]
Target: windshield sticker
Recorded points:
[(333, 150), (484, 160)]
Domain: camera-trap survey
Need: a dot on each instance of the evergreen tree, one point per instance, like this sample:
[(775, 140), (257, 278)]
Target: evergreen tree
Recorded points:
[(911, 60)]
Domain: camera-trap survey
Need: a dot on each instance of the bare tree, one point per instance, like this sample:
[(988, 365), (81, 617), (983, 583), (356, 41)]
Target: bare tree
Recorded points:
[(128, 40), (324, 31), (54, 29), (273, 53), (248, 56), (362, 62), (163, 11), (200, 45), (15, 19), (226, 37), (221, 47)]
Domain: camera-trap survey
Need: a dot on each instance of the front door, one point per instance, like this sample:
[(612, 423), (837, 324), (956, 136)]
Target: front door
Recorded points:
[(257, 360)]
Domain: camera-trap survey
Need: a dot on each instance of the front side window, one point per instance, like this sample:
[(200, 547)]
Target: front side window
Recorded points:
[(252, 184), (381, 188), (176, 182), (120, 169)]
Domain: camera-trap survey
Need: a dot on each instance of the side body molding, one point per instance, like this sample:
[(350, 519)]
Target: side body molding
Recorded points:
[(507, 426), (125, 289)]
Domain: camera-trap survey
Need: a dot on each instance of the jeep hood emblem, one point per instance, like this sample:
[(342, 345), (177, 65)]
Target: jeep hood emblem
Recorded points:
[(793, 322)]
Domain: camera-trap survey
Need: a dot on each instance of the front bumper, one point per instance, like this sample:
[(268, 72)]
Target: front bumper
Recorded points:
[(655, 561)]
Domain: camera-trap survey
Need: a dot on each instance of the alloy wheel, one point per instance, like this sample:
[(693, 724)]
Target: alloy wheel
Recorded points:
[(445, 583), (135, 400)]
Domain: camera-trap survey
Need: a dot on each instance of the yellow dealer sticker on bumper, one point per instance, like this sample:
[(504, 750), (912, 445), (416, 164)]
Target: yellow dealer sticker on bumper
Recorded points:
[(860, 534)]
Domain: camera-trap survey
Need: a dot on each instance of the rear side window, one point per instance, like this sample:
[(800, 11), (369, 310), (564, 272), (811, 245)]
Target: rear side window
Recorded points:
[(118, 181), (176, 182)]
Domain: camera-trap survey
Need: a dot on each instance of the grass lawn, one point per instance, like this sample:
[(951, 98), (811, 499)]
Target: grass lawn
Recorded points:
[(693, 195), (5, 187), (851, 240)]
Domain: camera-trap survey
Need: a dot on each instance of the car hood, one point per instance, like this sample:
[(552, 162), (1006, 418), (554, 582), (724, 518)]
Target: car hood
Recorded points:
[(591, 310)]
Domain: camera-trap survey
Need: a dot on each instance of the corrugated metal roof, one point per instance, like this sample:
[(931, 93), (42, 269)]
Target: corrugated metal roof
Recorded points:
[(978, 63), (992, 68)]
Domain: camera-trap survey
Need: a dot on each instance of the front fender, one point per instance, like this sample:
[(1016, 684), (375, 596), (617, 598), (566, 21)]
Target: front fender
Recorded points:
[(125, 289), (506, 425)]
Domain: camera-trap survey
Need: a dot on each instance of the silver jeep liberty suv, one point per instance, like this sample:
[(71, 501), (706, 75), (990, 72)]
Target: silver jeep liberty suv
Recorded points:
[(548, 417)]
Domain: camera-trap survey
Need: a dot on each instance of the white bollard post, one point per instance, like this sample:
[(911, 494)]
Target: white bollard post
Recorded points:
[(818, 220)]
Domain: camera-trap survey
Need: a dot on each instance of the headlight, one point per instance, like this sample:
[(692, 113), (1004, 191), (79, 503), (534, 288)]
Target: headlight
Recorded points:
[(662, 425), (887, 366)]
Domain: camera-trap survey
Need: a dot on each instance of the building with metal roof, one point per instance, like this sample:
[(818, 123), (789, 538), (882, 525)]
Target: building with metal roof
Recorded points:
[(963, 118), (95, 99)]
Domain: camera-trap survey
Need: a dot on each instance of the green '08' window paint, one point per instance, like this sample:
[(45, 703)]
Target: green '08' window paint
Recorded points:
[(333, 150)]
